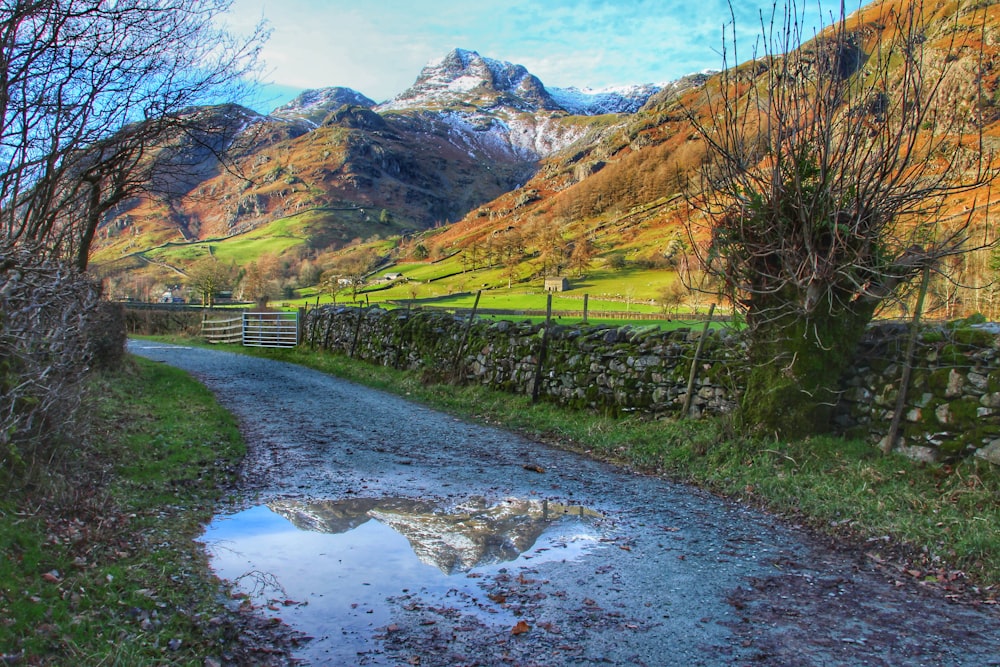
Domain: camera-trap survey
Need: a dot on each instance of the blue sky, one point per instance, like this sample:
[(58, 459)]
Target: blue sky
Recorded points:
[(378, 47)]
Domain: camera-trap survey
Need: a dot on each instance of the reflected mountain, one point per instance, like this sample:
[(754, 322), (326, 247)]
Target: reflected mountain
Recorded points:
[(454, 539)]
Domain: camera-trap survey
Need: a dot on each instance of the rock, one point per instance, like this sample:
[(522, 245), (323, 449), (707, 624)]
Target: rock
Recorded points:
[(978, 380), (990, 452), (898, 444), (955, 383), (943, 413), (990, 400), (917, 453)]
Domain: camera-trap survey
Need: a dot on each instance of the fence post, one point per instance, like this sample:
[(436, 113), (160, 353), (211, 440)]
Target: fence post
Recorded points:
[(543, 350), (904, 383), (586, 299), (357, 333), (694, 362), (313, 332), (465, 335), (329, 330)]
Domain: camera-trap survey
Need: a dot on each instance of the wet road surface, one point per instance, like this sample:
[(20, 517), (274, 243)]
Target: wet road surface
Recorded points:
[(396, 535)]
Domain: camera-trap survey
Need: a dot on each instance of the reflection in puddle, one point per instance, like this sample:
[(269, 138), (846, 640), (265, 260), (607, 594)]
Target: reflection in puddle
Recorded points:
[(467, 536), (334, 563)]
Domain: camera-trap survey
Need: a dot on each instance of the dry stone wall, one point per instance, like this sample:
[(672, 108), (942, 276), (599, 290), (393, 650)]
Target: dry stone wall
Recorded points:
[(952, 408)]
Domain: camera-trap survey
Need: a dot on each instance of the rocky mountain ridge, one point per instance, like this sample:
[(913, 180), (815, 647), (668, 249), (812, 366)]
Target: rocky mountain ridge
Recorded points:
[(468, 130), (314, 105)]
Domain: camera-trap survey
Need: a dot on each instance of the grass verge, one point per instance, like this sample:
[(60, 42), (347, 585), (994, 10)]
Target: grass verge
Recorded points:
[(98, 563), (938, 524)]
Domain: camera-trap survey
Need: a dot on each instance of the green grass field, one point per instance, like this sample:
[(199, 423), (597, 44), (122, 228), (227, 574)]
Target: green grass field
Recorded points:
[(98, 564)]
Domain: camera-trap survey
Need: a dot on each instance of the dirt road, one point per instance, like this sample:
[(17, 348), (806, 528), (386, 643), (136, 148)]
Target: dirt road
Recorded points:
[(396, 535)]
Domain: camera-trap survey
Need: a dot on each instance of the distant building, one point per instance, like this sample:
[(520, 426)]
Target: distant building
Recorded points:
[(389, 277), (556, 284), (169, 297)]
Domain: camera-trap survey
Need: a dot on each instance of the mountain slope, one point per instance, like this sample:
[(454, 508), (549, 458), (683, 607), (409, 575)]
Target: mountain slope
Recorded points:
[(483, 143), (623, 192), (467, 131)]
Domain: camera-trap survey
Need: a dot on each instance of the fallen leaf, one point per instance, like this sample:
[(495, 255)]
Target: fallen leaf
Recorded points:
[(550, 628), (520, 628)]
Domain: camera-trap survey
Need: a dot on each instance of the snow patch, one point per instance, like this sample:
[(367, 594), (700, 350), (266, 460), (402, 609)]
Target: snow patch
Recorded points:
[(591, 102)]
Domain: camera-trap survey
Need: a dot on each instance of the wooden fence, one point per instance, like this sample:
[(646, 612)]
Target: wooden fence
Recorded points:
[(229, 330)]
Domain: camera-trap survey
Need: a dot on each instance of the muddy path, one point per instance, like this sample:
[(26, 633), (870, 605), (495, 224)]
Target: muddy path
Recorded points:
[(396, 535)]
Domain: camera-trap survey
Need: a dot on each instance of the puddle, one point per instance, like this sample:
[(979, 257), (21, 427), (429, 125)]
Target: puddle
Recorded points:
[(328, 568)]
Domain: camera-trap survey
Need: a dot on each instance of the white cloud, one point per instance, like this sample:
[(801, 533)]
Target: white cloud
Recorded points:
[(379, 48)]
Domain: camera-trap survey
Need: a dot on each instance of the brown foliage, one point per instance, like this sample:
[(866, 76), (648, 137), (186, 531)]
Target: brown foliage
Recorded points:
[(53, 330), (830, 165)]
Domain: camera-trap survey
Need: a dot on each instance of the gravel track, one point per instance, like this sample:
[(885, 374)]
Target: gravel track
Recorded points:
[(679, 577)]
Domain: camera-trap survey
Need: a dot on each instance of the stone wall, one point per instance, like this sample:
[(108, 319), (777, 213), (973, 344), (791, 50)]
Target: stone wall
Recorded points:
[(953, 405)]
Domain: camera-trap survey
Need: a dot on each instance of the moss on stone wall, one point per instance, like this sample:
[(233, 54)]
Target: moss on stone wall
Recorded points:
[(619, 370)]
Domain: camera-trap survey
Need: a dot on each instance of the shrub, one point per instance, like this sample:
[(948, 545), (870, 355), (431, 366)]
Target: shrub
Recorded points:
[(52, 329)]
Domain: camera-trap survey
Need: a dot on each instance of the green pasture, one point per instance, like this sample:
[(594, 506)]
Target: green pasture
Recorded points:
[(612, 296), (275, 238)]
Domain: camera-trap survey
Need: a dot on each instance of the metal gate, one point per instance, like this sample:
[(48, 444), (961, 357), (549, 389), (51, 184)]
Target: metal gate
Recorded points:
[(268, 329), (276, 329)]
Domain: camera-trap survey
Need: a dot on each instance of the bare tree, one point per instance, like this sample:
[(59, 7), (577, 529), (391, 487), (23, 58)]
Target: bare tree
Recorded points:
[(259, 279), (552, 248), (208, 276), (511, 253), (582, 255), (672, 297), (824, 189), (91, 93), (353, 268)]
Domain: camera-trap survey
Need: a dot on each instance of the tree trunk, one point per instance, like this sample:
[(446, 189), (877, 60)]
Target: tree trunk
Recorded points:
[(796, 362)]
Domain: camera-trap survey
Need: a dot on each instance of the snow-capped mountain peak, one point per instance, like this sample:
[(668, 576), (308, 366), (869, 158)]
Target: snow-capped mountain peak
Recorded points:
[(464, 77), (314, 105)]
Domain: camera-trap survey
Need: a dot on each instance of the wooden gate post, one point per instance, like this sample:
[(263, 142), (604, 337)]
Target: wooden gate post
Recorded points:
[(904, 383), (357, 332), (465, 336), (694, 363), (542, 352)]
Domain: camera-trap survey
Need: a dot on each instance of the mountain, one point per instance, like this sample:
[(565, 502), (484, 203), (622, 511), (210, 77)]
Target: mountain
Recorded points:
[(467, 131), (313, 106), (453, 539), (475, 149), (590, 102), (464, 79)]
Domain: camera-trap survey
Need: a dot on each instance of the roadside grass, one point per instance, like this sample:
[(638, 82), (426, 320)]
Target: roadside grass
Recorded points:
[(98, 564), (939, 524)]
